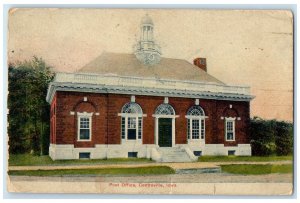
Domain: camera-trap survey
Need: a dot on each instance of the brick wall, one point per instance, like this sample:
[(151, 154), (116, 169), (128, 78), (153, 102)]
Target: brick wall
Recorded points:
[(106, 127), (53, 121)]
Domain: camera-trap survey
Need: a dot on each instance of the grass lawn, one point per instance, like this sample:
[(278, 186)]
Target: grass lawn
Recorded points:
[(154, 170), (257, 169), (244, 158), (31, 160)]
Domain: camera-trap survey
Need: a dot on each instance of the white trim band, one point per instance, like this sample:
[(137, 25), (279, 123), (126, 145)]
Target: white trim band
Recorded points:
[(131, 115), (164, 116)]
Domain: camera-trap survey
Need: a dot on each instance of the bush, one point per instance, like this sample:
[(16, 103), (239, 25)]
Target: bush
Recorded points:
[(271, 137), (262, 137), (283, 138)]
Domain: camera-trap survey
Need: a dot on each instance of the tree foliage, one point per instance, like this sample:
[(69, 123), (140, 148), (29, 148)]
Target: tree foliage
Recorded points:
[(28, 117), (271, 137), (283, 138)]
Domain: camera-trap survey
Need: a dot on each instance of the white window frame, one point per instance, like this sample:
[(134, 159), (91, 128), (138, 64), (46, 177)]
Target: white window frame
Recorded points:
[(84, 115), (196, 121), (137, 116), (137, 127), (227, 120), (190, 120), (165, 109), (199, 118)]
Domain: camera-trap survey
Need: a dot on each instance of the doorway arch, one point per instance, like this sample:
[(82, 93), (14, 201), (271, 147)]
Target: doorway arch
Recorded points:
[(165, 125)]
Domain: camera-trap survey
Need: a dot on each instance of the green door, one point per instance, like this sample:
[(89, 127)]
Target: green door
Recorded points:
[(165, 132)]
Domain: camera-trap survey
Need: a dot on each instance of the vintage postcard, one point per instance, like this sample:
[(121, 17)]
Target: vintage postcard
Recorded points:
[(150, 101)]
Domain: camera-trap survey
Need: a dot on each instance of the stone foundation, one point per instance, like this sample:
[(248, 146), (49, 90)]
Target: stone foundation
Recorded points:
[(59, 152)]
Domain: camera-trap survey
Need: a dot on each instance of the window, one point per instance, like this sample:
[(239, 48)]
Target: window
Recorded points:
[(231, 152), (84, 126), (195, 123), (230, 129), (131, 121), (197, 153), (165, 109), (84, 131), (84, 155), (131, 135), (123, 127), (202, 128), (195, 129), (140, 128), (132, 154), (188, 129)]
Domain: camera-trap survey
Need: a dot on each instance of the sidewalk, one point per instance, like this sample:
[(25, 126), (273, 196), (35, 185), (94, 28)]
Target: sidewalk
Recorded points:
[(176, 166)]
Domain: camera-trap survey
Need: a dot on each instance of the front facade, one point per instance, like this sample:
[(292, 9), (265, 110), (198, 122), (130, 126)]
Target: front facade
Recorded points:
[(143, 105)]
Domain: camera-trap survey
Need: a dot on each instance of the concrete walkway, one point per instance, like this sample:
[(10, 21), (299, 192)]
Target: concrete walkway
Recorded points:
[(176, 166)]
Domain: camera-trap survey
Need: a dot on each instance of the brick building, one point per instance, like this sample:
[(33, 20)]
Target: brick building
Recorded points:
[(144, 105)]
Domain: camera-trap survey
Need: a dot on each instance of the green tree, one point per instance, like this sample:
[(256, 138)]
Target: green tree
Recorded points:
[(284, 138), (262, 136), (271, 137), (28, 110)]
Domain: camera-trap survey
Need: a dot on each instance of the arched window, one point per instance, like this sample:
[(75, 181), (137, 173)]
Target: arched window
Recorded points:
[(196, 123), (131, 121), (132, 108), (164, 109)]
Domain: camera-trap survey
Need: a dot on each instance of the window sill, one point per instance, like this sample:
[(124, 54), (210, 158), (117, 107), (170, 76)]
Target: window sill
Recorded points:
[(84, 140), (132, 141)]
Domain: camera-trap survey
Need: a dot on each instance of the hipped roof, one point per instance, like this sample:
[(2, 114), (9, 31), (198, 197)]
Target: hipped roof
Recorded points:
[(129, 65)]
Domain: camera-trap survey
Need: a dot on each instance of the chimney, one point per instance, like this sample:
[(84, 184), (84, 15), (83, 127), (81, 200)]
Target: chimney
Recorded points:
[(201, 63)]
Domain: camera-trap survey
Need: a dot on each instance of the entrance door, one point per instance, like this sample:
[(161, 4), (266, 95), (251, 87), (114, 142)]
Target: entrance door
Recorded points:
[(165, 132)]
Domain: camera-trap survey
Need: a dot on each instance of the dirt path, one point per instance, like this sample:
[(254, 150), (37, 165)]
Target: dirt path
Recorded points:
[(194, 165), (171, 178)]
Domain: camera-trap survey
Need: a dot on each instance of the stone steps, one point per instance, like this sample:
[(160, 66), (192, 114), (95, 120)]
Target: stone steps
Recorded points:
[(174, 155)]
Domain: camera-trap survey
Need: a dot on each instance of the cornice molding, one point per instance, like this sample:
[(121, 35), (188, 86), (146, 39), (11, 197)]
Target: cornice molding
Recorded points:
[(127, 90)]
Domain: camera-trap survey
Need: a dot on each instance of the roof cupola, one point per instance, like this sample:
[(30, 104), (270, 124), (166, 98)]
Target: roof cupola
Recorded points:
[(147, 50)]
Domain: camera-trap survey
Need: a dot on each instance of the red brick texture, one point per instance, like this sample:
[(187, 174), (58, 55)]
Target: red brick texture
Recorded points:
[(53, 121), (106, 127)]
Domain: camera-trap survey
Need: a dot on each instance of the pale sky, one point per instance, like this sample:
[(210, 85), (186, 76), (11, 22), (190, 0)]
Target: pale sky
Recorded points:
[(253, 48)]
